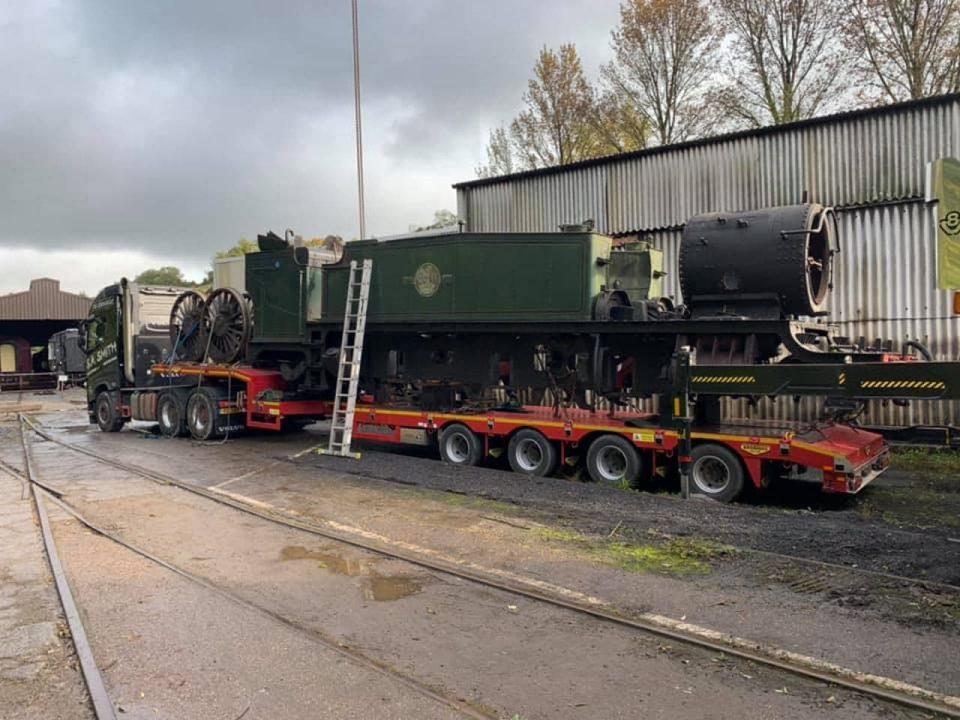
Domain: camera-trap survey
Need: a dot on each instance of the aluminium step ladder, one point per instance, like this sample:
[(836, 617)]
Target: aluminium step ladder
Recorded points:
[(351, 353)]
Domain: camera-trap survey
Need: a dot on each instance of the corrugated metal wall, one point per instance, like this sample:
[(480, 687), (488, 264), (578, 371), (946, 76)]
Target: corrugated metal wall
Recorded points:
[(884, 287), (855, 159), (872, 167)]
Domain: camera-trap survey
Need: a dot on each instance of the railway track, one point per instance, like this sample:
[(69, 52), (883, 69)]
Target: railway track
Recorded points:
[(764, 559), (810, 669), (812, 575), (100, 699)]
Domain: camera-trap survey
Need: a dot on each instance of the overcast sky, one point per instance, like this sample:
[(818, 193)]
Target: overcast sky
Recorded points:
[(136, 133)]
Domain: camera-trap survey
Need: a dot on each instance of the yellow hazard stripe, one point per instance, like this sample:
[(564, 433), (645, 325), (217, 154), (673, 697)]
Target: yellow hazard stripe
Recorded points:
[(908, 384), (724, 379)]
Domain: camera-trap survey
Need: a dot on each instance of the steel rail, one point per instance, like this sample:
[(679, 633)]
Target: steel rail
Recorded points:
[(349, 653), (56, 497), (294, 460), (923, 582), (99, 697), (916, 698)]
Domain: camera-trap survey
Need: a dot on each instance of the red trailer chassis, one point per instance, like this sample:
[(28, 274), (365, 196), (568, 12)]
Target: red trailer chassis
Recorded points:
[(846, 458)]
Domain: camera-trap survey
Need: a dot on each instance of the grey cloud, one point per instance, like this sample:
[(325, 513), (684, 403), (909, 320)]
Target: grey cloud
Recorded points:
[(186, 125)]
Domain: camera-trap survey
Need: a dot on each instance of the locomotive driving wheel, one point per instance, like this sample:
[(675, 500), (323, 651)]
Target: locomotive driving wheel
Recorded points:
[(228, 324), (187, 332)]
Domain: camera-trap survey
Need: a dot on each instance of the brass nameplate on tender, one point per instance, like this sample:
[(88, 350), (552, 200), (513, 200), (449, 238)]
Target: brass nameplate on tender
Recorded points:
[(414, 436)]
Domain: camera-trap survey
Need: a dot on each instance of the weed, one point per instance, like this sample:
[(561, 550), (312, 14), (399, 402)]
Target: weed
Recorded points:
[(568, 536), (943, 464), (916, 506), (479, 503), (678, 556), (471, 502)]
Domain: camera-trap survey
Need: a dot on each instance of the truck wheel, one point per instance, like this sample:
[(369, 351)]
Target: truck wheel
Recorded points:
[(460, 446), (202, 414), (170, 415), (613, 460), (716, 472), (530, 453), (108, 417)]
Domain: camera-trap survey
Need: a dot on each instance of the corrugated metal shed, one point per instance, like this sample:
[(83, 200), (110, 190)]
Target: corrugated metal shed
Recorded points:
[(43, 301), (860, 158), (871, 165)]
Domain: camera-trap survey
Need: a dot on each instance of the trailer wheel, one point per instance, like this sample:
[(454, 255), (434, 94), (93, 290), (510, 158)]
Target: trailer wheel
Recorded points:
[(613, 460), (460, 446), (202, 414), (108, 418), (170, 415), (530, 453), (716, 472)]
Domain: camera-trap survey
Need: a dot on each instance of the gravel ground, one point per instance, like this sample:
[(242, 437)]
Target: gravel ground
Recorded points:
[(795, 520)]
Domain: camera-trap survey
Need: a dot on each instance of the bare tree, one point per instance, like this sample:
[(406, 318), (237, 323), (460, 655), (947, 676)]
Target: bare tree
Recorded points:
[(500, 155), (784, 59), (663, 57), (904, 49), (554, 129)]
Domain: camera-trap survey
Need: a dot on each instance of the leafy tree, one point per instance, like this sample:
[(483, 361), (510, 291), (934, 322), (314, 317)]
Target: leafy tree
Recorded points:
[(563, 121), (327, 241), (441, 219), (785, 59), (553, 129), (664, 54), (166, 275), (619, 125), (904, 49), (243, 247)]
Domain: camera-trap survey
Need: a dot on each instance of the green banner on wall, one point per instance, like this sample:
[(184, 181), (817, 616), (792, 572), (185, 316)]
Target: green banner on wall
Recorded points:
[(946, 189)]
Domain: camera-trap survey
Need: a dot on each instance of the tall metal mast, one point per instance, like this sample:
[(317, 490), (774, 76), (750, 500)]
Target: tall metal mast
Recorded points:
[(356, 98)]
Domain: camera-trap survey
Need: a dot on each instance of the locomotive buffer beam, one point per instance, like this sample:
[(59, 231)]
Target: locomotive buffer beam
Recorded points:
[(856, 381)]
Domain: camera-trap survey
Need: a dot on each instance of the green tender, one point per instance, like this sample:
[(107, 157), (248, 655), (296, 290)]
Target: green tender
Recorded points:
[(456, 278)]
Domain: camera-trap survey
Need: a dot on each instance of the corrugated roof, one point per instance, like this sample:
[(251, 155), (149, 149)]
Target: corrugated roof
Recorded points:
[(865, 113), (853, 160), (44, 301)]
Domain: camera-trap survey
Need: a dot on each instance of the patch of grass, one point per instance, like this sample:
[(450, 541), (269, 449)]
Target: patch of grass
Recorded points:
[(558, 535), (479, 503), (677, 556), (925, 493), (944, 464), (917, 506), (471, 502)]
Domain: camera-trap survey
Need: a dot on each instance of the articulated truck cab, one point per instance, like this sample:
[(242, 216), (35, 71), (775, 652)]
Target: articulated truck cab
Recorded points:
[(126, 332)]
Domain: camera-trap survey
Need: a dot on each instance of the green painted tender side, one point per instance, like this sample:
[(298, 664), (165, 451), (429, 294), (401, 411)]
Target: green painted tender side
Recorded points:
[(467, 277), (451, 278)]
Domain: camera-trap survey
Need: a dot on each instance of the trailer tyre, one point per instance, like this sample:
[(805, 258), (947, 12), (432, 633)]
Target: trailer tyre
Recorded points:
[(716, 472), (108, 416), (613, 460), (460, 446), (202, 414), (530, 453), (170, 412)]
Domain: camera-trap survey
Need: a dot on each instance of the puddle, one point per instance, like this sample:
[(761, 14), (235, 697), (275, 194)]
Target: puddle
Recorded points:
[(381, 588), (387, 588), (329, 561)]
